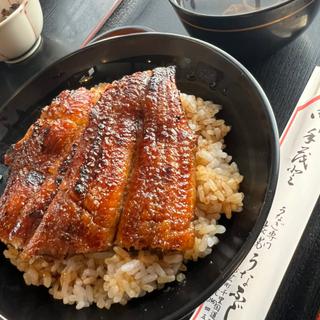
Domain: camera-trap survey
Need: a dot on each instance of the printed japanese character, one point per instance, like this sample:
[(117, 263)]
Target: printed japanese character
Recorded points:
[(279, 216), (265, 227), (254, 261), (217, 307), (237, 295), (313, 116), (272, 235), (224, 292), (301, 157), (260, 243), (213, 314), (279, 223), (274, 228), (310, 136), (242, 274), (294, 171), (220, 300), (236, 304), (282, 211), (268, 245), (231, 307), (246, 283)]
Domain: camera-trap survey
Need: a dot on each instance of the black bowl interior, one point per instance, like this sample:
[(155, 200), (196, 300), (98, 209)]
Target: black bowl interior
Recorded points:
[(202, 70)]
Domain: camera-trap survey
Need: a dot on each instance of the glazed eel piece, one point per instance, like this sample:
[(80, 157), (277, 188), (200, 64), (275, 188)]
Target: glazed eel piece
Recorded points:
[(84, 164), (84, 214), (159, 207), (38, 163)]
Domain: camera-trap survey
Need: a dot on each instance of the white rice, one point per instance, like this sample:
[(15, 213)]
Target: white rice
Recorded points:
[(116, 276)]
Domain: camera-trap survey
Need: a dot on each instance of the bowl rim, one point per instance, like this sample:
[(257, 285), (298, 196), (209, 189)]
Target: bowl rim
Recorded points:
[(239, 15), (130, 29), (274, 156)]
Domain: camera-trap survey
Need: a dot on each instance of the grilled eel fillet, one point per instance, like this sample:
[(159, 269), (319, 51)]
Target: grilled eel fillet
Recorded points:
[(38, 163), (84, 214), (159, 207), (134, 157)]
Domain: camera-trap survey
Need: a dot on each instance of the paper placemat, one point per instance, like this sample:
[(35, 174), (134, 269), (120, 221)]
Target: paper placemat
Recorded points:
[(249, 292)]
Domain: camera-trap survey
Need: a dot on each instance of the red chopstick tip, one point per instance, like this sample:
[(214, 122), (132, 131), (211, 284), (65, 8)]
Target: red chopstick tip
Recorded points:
[(198, 310)]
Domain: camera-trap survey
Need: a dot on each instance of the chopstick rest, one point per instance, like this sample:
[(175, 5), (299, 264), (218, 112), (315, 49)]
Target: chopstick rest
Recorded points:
[(249, 292)]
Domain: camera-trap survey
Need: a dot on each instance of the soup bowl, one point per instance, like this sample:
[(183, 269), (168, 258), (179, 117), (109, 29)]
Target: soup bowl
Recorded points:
[(249, 34)]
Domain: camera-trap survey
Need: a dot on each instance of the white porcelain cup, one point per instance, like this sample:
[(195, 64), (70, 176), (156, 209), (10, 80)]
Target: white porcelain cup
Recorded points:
[(20, 32)]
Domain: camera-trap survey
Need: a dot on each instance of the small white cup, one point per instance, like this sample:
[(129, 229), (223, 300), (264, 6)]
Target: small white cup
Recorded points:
[(20, 32)]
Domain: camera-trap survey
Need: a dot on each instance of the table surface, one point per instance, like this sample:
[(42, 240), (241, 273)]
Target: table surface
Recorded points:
[(283, 77)]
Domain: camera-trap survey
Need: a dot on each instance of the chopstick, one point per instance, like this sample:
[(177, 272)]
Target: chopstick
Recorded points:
[(100, 24)]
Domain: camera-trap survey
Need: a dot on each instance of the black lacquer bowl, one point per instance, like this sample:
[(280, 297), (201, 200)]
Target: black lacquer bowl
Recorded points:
[(253, 35), (203, 70)]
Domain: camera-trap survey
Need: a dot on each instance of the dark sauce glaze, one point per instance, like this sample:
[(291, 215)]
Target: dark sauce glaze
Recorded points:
[(38, 163), (159, 208), (87, 164), (84, 214)]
